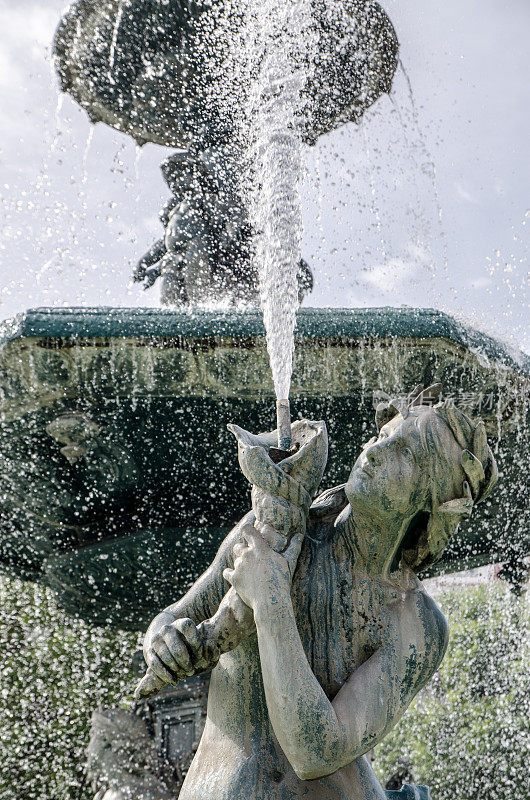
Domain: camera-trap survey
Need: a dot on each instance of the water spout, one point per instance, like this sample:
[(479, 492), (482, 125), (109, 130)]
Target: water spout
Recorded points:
[(283, 418)]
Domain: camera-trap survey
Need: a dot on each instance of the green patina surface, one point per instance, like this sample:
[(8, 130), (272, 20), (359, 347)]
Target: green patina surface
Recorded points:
[(128, 526), (312, 323)]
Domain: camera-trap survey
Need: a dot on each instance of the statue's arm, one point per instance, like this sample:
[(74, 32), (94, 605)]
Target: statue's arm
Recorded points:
[(378, 693), (203, 598), (318, 736)]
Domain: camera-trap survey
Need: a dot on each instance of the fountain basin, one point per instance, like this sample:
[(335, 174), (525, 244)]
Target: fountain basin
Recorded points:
[(120, 479), (152, 69)]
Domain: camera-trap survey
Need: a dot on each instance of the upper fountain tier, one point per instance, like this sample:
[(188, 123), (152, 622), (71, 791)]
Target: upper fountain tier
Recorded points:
[(156, 69)]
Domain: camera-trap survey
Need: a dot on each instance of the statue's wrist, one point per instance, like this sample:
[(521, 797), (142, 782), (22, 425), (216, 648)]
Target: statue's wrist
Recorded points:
[(269, 612)]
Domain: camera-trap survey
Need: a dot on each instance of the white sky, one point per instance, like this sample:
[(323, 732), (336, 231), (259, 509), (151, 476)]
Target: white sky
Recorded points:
[(76, 214)]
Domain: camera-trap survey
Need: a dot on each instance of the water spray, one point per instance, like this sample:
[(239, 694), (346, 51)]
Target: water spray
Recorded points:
[(283, 419)]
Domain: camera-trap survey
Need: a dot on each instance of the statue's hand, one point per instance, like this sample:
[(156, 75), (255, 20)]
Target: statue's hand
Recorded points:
[(174, 653), (260, 573), (148, 269)]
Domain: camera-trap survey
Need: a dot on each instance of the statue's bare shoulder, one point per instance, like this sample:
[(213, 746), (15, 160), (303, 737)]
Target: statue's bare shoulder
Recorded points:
[(422, 631)]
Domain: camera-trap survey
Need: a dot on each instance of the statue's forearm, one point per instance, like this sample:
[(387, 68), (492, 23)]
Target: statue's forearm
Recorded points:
[(301, 715), (222, 619), (203, 598), (317, 736), (232, 623)]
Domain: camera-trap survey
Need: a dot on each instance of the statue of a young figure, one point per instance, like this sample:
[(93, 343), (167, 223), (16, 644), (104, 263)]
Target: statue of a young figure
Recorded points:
[(344, 634)]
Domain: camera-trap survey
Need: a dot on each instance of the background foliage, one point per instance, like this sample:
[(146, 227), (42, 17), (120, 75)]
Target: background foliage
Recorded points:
[(54, 671), (467, 735)]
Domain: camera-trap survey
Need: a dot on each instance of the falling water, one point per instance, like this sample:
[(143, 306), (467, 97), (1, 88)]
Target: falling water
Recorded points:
[(278, 39), (137, 159), (375, 211), (114, 42), (429, 167), (86, 153)]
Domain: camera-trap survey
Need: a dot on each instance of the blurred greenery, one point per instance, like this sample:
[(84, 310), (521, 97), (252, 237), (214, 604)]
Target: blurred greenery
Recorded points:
[(467, 735), (54, 671)]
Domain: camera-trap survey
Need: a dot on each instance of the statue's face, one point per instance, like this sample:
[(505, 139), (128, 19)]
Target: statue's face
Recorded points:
[(390, 479)]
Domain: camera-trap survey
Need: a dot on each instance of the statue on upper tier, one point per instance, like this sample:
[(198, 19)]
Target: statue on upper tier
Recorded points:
[(205, 252), (314, 621), (158, 71)]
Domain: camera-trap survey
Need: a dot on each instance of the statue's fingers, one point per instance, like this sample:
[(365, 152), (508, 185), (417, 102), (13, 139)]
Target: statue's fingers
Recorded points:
[(271, 536), (161, 671), (189, 638), (253, 537), (181, 654), (174, 657), (151, 275), (239, 549), (149, 685), (247, 530), (189, 630), (139, 273), (292, 551)]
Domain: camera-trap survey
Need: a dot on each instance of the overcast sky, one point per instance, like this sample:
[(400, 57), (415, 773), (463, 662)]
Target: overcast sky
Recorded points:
[(424, 204)]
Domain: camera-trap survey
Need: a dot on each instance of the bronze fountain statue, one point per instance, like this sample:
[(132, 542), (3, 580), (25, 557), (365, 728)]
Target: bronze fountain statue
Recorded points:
[(327, 634)]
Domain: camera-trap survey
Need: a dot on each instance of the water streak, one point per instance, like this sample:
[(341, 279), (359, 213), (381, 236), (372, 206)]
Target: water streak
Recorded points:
[(137, 158), (279, 40), (429, 168), (86, 154), (114, 41), (375, 210)]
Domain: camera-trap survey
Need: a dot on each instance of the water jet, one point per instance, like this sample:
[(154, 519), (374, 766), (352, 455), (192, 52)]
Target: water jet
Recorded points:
[(104, 472)]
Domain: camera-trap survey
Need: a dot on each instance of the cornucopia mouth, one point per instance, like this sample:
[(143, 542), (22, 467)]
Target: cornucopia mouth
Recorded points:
[(276, 454)]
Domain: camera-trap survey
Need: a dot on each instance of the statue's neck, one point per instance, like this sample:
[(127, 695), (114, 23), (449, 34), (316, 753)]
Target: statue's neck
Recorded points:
[(375, 544)]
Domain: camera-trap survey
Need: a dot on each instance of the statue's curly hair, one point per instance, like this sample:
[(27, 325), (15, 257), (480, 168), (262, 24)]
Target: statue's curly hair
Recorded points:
[(430, 531)]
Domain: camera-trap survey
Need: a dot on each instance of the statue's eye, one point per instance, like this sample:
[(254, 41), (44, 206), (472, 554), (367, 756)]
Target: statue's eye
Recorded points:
[(405, 450)]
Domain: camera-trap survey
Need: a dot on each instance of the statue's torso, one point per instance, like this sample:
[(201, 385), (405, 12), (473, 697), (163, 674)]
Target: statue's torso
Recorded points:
[(343, 616)]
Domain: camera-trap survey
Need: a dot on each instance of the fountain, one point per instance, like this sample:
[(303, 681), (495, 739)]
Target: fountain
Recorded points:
[(113, 495), (137, 395), (166, 72), (325, 634)]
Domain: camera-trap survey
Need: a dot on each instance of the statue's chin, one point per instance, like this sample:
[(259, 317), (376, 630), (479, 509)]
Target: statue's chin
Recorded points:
[(359, 490)]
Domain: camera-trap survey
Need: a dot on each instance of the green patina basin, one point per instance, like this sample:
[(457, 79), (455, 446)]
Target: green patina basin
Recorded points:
[(118, 475)]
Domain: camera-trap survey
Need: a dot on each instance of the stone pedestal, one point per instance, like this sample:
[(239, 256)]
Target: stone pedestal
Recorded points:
[(177, 716)]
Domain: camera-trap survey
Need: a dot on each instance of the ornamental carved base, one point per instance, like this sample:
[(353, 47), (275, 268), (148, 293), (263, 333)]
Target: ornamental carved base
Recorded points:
[(144, 754)]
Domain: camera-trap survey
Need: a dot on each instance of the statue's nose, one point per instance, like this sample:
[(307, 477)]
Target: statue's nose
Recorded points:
[(374, 453)]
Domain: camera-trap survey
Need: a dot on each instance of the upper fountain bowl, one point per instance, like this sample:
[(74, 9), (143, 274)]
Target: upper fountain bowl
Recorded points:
[(152, 69)]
